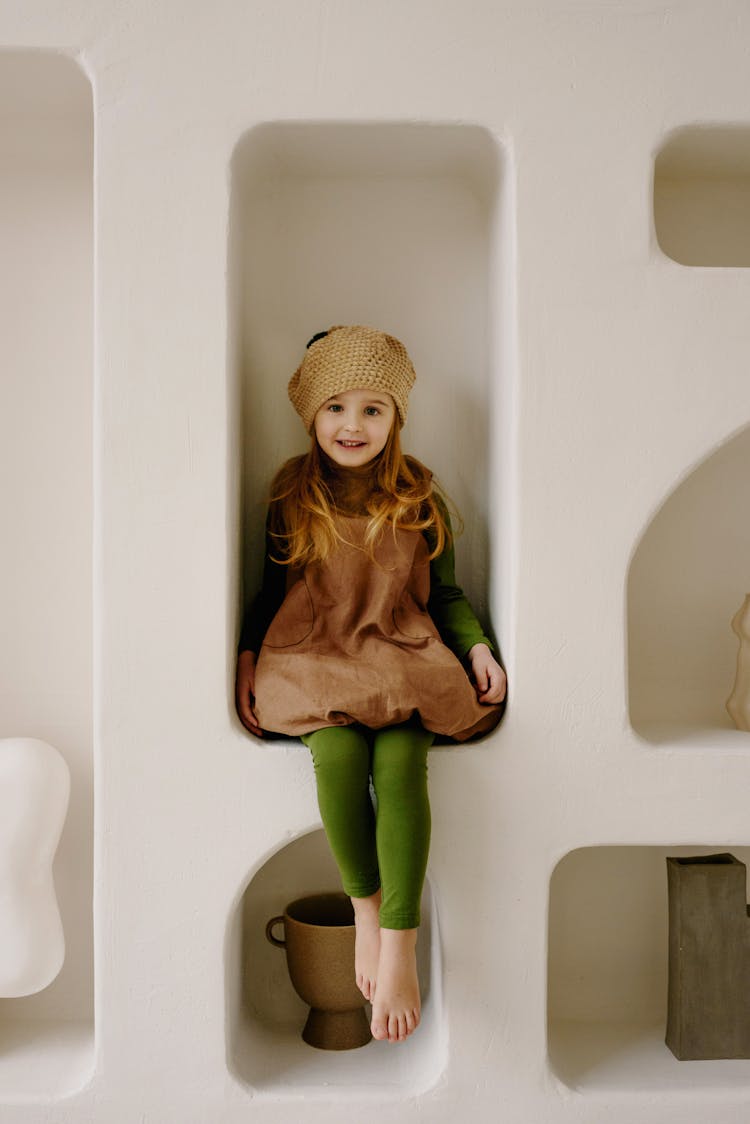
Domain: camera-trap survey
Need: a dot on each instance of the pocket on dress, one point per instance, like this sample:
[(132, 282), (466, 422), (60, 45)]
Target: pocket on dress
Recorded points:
[(414, 623), (294, 620)]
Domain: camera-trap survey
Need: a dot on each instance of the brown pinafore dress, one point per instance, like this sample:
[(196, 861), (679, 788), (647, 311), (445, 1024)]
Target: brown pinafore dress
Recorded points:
[(353, 642)]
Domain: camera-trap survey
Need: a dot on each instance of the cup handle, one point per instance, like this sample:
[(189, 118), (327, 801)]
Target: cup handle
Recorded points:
[(269, 931)]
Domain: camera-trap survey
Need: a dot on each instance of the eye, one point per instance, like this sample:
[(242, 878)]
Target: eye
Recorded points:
[(372, 411), (335, 408)]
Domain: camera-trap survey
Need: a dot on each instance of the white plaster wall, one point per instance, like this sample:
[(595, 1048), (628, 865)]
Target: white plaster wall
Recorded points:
[(629, 368)]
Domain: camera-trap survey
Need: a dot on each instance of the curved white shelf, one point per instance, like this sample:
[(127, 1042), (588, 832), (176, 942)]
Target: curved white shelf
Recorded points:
[(702, 739), (44, 1060), (618, 1057), (265, 1051)]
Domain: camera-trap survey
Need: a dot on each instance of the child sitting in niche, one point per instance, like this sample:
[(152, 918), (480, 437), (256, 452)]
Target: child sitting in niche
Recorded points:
[(358, 642)]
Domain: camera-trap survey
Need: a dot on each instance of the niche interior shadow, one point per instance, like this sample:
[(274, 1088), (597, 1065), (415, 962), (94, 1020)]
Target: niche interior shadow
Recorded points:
[(702, 196), (265, 1016), (687, 579), (406, 227), (46, 479)]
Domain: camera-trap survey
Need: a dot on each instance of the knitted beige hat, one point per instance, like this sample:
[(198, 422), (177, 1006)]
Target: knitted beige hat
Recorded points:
[(350, 358)]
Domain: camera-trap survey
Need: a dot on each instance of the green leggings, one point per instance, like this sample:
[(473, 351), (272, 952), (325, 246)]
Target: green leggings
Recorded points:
[(386, 845)]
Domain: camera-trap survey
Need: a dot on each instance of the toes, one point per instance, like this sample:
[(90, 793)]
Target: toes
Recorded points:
[(397, 1030), (379, 1028), (367, 987), (394, 1027)]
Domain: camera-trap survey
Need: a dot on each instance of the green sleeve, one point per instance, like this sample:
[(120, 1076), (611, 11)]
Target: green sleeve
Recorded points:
[(454, 617), (266, 603)]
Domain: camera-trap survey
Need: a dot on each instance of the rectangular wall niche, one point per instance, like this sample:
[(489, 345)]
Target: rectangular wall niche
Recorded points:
[(405, 227), (702, 196), (46, 333), (607, 975)]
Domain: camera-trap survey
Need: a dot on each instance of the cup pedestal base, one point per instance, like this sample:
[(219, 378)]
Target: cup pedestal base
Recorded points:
[(337, 1030)]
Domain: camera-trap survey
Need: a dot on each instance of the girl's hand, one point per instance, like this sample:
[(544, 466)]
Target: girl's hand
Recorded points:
[(244, 692), (489, 678)]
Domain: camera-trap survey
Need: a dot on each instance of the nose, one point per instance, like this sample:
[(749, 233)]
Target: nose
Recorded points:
[(352, 423)]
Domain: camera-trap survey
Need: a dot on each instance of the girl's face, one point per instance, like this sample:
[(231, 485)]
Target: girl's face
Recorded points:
[(353, 427)]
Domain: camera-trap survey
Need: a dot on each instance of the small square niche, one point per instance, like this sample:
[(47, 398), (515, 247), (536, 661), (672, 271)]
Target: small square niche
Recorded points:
[(608, 973), (702, 196)]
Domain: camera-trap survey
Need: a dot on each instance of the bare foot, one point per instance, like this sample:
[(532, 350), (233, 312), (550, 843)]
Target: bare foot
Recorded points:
[(366, 943), (396, 1008)]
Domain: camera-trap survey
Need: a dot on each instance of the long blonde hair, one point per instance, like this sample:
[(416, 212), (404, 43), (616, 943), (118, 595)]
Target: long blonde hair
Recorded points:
[(402, 497)]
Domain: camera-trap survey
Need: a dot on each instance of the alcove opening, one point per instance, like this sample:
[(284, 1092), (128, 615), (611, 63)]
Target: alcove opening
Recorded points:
[(406, 227), (265, 1016), (702, 196), (46, 469), (687, 578), (607, 974)]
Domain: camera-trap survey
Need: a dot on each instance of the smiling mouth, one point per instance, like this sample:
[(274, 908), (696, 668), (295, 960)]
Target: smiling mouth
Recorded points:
[(350, 444)]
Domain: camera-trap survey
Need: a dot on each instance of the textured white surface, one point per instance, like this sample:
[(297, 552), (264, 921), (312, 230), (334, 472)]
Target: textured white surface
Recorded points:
[(43, 1061), (610, 1058)]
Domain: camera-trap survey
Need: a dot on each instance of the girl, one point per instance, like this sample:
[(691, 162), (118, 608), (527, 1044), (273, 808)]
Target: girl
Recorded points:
[(356, 643)]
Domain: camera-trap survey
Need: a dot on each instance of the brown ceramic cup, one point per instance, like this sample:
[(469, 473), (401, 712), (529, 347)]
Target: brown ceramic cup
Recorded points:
[(319, 943)]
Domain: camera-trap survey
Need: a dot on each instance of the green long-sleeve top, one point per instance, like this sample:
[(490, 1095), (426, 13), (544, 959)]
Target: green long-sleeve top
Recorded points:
[(448, 607)]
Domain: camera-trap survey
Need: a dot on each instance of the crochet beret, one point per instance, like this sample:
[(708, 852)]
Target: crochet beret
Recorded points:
[(350, 358)]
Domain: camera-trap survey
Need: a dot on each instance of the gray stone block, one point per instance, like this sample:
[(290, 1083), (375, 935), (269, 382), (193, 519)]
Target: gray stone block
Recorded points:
[(709, 958)]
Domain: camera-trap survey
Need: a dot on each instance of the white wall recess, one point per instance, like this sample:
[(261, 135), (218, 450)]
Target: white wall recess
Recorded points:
[(34, 792)]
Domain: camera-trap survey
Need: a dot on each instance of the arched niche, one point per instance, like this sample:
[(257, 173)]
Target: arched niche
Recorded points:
[(264, 1016), (688, 576)]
